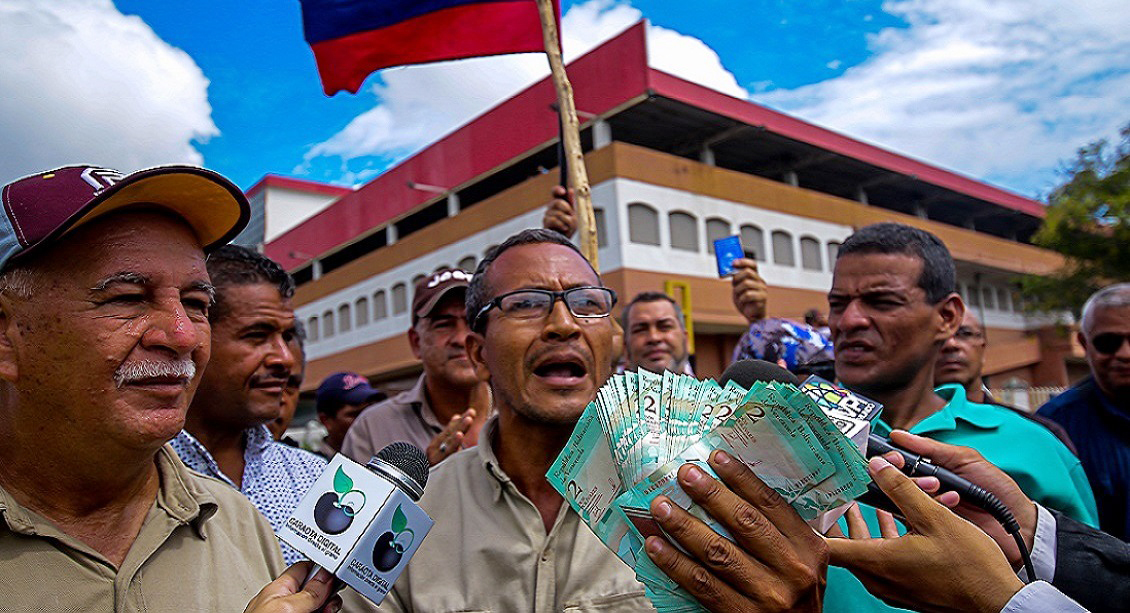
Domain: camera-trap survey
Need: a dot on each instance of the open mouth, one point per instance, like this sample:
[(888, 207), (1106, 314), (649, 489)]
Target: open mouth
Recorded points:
[(561, 371)]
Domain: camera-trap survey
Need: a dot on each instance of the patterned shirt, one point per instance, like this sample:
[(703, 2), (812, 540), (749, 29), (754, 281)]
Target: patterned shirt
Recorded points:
[(275, 476)]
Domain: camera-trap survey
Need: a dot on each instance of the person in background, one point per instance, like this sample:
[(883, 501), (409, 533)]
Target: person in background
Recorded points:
[(796, 347), (656, 334), (253, 339), (293, 391), (962, 361), (447, 406), (816, 319), (1096, 411), (341, 398)]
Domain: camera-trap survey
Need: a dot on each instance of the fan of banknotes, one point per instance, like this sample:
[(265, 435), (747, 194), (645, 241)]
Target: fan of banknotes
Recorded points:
[(805, 441)]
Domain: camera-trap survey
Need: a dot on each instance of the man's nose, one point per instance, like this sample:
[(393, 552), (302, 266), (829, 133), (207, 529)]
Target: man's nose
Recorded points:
[(560, 323), (280, 355), (170, 327)]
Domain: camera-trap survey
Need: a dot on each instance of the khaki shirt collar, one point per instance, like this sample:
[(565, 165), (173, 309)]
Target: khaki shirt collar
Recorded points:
[(488, 438), (177, 496), (417, 398)]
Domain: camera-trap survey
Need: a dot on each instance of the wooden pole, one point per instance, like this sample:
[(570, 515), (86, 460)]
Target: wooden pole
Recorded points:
[(570, 134)]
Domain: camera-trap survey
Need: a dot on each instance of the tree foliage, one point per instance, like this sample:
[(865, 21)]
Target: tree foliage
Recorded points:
[(1088, 221)]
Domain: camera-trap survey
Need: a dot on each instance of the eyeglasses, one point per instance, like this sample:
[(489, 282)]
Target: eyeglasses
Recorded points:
[(582, 302), (1108, 343)]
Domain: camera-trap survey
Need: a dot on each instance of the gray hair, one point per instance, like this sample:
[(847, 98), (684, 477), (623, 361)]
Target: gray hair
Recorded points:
[(21, 281), (1117, 295)]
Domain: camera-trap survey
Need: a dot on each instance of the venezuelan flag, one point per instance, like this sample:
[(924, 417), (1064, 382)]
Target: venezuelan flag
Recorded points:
[(353, 38)]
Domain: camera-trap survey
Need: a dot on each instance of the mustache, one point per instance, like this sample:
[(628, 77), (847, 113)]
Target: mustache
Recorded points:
[(149, 369)]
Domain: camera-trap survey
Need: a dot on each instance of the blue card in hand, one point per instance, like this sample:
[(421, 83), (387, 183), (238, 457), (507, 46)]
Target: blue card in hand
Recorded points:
[(727, 250)]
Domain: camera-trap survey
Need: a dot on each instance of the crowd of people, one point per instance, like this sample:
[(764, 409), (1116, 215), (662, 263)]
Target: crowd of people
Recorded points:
[(148, 370)]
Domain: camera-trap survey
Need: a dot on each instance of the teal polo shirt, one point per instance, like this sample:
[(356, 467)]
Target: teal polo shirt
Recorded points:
[(1030, 454)]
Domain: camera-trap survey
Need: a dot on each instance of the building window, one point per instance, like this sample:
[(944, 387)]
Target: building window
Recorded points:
[(1017, 301), (810, 253), (361, 308), (783, 248), (1003, 299), (973, 293), (601, 228), (399, 299), (833, 253), (380, 305), (416, 280), (716, 228), (312, 328), (344, 318), (684, 231), (643, 224), (988, 297), (328, 324), (468, 264), (753, 241)]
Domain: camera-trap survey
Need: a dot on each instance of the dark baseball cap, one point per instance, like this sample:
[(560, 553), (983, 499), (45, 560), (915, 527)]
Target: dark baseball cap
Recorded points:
[(433, 287), (346, 388), (40, 209)]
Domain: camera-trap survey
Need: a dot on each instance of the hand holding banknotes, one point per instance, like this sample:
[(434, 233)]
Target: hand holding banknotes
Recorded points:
[(287, 594), (777, 563), (943, 563)]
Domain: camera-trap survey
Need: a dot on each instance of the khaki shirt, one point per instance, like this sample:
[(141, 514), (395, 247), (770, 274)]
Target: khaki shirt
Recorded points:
[(202, 547), (488, 550), (404, 417)]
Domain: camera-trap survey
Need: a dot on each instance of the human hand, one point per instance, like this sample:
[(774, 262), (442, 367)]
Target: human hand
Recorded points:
[(287, 594), (777, 563), (968, 463), (559, 215), (943, 563), (750, 292), (450, 439)]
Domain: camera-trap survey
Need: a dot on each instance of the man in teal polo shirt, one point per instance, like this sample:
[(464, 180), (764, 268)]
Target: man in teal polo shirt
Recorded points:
[(892, 306)]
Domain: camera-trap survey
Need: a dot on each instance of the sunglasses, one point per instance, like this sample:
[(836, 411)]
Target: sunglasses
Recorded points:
[(1108, 343)]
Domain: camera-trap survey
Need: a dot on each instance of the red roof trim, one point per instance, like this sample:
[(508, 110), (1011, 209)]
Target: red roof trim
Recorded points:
[(745, 111), (302, 185)]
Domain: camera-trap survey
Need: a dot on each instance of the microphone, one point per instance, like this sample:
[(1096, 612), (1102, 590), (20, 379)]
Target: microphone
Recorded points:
[(362, 523), (747, 372)]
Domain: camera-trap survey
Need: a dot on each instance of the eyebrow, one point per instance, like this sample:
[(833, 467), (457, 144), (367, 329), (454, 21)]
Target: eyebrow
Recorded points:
[(136, 278)]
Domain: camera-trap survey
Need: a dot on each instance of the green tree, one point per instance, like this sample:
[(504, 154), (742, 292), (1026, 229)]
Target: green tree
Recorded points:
[(1088, 221)]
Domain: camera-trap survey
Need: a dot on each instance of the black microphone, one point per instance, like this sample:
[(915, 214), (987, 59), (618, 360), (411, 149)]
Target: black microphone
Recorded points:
[(747, 372)]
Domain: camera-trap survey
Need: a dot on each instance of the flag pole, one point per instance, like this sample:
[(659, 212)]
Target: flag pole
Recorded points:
[(570, 134)]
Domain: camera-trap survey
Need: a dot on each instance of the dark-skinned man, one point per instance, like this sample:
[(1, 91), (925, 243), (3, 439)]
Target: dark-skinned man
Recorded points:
[(104, 301), (341, 398), (444, 411), (503, 538), (253, 340), (655, 334)]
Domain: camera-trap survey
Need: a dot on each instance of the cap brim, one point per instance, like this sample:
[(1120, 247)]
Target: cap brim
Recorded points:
[(426, 308), (212, 205)]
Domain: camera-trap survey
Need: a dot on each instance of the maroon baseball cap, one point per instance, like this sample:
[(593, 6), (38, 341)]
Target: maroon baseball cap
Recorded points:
[(41, 208), (433, 287)]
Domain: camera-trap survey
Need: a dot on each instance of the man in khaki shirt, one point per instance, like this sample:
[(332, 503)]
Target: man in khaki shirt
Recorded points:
[(503, 539), (104, 332)]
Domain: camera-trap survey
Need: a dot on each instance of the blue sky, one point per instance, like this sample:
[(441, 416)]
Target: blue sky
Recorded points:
[(1003, 90)]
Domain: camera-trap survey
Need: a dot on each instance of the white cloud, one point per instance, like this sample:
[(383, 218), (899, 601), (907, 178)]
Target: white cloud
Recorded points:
[(84, 83), (418, 104), (998, 89)]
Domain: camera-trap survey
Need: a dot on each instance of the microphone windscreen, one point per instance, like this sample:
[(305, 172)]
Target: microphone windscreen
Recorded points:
[(747, 372), (408, 458)]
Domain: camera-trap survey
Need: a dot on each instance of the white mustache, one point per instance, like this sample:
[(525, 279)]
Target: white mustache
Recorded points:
[(134, 371)]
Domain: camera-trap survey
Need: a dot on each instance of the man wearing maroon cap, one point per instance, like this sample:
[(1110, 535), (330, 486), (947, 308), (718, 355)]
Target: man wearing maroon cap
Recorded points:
[(443, 412), (104, 300), (341, 398)]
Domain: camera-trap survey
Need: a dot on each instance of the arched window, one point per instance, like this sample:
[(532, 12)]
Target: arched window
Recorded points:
[(468, 263), (753, 239), (601, 228), (973, 294), (810, 253), (684, 231), (399, 298), (417, 279), (988, 297), (833, 253), (643, 224), (716, 228), (312, 328), (1003, 299), (361, 309), (344, 318), (380, 305), (328, 324), (783, 248)]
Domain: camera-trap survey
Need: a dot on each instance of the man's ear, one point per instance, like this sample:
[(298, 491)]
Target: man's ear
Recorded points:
[(1082, 338), (9, 335), (414, 341), (951, 311), (476, 348)]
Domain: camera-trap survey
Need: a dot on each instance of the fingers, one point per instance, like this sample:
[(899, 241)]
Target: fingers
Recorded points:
[(887, 527), (451, 438), (857, 527), (714, 594), (741, 480), (949, 456), (287, 594), (916, 506)]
